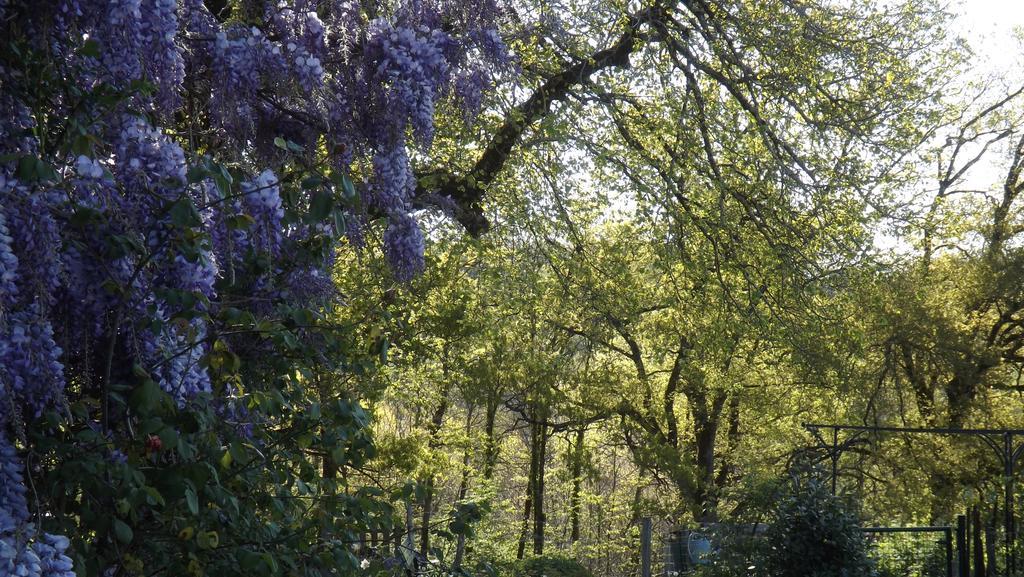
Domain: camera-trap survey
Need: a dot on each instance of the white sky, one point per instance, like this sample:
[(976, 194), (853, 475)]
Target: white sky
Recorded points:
[(989, 26), (994, 31)]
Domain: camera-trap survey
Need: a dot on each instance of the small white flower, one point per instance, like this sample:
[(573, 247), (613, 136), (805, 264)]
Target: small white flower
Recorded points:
[(365, 564)]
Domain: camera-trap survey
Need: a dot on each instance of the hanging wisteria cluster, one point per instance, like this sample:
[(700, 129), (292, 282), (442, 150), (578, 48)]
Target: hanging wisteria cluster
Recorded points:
[(22, 552), (119, 233)]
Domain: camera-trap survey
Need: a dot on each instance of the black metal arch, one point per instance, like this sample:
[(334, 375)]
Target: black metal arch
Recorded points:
[(1001, 441)]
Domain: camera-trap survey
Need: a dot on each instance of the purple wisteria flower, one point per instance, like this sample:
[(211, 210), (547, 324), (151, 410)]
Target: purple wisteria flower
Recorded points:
[(403, 246), (120, 243)]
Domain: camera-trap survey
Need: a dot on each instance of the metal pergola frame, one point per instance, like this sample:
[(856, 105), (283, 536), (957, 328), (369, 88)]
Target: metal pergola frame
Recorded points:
[(999, 440)]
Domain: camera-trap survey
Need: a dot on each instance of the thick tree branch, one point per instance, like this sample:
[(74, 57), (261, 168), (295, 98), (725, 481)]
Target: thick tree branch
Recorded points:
[(468, 190)]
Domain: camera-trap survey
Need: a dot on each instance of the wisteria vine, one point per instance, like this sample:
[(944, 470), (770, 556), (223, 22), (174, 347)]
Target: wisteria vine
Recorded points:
[(120, 232)]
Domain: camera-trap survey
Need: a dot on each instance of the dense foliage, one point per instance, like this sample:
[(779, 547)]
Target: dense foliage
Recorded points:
[(815, 535), (803, 531), (243, 329), (551, 567), (176, 181), (668, 291)]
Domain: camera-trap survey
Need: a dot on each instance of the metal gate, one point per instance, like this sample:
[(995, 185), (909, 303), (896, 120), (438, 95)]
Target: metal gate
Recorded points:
[(916, 563)]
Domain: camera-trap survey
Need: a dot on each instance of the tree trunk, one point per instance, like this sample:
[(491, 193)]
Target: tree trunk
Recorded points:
[(428, 484), (329, 469), (460, 545), (539, 516), (577, 481), (527, 509), (428, 508), (491, 447), (706, 420), (408, 545), (530, 492), (990, 541), (727, 470)]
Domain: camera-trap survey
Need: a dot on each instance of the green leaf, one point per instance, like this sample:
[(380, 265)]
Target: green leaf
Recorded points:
[(311, 182), (81, 145), (223, 185), (240, 221), (169, 437), (185, 449), (192, 501), (184, 214), (207, 539), (289, 340), (83, 216), (90, 49), (238, 453), (27, 170), (338, 455), (280, 143), (339, 223), (122, 531), (320, 206), (196, 173), (347, 187), (303, 317), (123, 244), (144, 399), (225, 460), (153, 497), (223, 173)]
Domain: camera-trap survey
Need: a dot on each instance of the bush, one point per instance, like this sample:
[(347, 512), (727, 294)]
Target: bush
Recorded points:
[(810, 533), (737, 553), (815, 535), (550, 566)]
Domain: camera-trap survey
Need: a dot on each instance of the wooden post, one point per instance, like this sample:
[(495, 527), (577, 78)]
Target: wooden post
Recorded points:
[(645, 547)]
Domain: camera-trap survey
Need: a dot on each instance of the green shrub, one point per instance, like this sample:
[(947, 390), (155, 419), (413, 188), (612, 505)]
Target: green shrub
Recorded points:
[(550, 566), (810, 533), (815, 535)]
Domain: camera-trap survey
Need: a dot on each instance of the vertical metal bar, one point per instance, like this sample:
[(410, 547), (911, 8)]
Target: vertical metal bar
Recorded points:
[(961, 546), (645, 547)]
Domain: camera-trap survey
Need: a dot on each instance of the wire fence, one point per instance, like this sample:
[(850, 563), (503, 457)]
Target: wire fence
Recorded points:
[(911, 552)]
